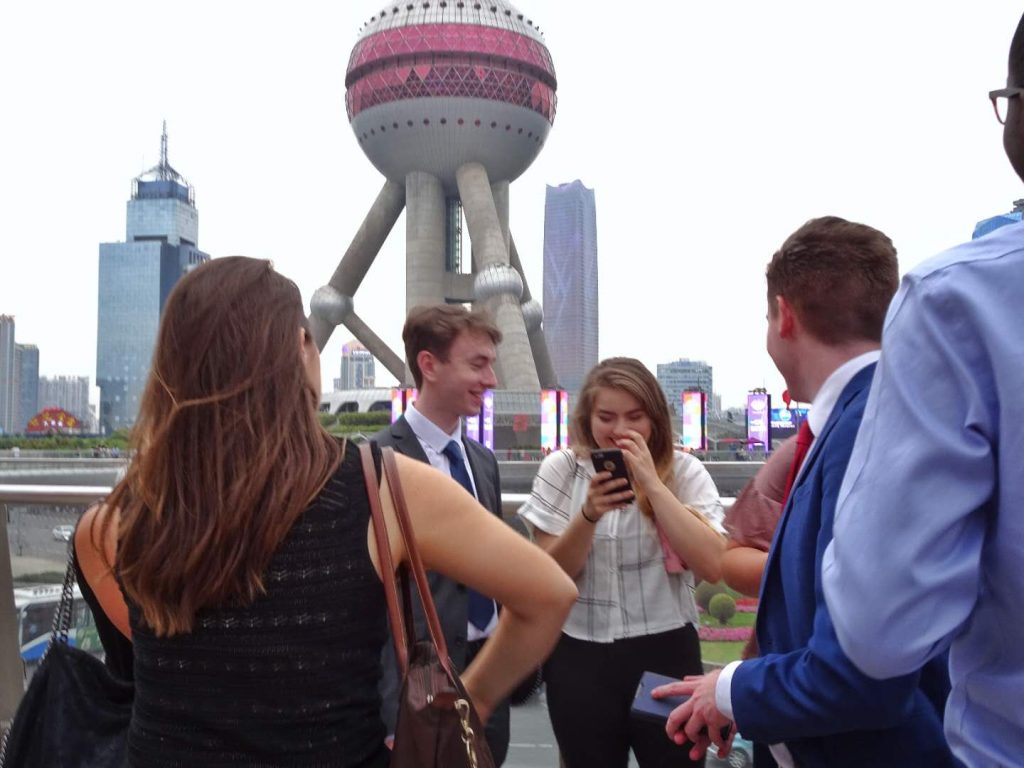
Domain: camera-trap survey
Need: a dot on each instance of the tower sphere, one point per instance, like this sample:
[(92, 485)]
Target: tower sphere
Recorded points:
[(432, 85)]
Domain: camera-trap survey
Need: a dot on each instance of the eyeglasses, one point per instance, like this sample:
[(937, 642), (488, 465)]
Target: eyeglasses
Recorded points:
[(1000, 99)]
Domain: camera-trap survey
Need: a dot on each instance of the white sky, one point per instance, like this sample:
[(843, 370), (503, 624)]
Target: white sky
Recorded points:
[(710, 130)]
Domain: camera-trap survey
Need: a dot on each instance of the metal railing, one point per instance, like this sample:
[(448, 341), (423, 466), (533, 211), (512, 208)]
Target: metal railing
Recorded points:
[(12, 671)]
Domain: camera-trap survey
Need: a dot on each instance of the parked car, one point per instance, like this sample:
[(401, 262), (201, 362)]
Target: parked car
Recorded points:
[(740, 756), (63, 532)]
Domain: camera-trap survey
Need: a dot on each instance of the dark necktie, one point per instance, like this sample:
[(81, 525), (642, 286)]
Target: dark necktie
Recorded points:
[(481, 607), (804, 438)]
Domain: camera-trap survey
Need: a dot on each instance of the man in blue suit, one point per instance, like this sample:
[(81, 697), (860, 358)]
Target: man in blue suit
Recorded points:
[(828, 290)]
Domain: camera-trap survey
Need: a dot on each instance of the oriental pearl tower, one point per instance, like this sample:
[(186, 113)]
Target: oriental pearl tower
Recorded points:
[(451, 100)]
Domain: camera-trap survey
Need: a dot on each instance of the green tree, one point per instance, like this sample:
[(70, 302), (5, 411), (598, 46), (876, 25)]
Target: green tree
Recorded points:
[(705, 591), (722, 607)]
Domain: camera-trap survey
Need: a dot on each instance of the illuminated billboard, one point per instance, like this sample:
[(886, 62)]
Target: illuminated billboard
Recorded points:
[(694, 420), (401, 399), (759, 406), (563, 419), (487, 418), (549, 419), (785, 422)]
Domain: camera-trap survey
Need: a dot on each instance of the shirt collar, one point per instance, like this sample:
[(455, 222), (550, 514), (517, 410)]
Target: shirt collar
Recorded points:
[(431, 434), (833, 387)]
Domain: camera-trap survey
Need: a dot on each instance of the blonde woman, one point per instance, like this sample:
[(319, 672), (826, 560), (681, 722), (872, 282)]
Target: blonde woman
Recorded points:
[(633, 555)]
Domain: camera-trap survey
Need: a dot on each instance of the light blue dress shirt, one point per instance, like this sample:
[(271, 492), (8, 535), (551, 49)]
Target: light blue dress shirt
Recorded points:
[(928, 547)]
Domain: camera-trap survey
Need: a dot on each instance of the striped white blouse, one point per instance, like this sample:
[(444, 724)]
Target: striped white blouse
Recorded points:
[(624, 590)]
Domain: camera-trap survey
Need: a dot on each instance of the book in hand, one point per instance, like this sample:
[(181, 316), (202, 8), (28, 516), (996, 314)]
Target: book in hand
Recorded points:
[(646, 707)]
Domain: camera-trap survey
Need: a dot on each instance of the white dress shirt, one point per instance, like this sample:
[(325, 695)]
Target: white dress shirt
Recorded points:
[(434, 440)]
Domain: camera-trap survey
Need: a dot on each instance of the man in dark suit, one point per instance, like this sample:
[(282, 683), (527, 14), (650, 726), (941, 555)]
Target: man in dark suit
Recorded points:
[(451, 352), (829, 287)]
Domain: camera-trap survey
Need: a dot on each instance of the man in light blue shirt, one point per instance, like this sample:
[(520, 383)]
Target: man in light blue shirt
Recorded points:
[(928, 548)]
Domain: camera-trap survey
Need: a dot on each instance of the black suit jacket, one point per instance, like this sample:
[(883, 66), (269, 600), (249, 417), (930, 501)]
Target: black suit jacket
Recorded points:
[(450, 597)]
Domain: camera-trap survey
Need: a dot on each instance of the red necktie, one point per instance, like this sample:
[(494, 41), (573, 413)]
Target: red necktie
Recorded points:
[(804, 438)]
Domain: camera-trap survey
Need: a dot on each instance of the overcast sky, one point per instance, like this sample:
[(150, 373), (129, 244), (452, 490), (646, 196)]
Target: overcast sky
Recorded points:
[(709, 130)]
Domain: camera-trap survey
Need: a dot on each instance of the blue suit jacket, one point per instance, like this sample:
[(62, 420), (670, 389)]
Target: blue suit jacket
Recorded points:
[(803, 690)]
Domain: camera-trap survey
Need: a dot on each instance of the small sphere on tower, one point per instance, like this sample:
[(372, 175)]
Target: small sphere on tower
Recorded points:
[(432, 85)]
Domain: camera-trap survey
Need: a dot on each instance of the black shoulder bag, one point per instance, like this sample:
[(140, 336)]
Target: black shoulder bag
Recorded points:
[(75, 713)]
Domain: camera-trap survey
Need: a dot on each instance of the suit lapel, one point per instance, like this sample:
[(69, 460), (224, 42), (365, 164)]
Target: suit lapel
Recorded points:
[(406, 441), (861, 380), (481, 475)]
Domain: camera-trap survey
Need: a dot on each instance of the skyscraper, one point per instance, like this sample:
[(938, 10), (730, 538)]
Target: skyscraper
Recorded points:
[(357, 368), (682, 375), (135, 279), (69, 393), (570, 281), (26, 384), (7, 374)]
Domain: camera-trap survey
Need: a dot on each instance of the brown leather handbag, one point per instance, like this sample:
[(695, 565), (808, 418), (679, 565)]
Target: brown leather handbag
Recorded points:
[(437, 726)]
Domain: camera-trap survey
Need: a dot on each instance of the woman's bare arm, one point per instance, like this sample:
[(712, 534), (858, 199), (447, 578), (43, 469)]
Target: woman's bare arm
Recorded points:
[(94, 558), (459, 538)]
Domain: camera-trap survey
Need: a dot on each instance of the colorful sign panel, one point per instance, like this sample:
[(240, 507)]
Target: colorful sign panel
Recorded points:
[(487, 419), (694, 420), (401, 399), (563, 419), (759, 406), (549, 419), (785, 423)]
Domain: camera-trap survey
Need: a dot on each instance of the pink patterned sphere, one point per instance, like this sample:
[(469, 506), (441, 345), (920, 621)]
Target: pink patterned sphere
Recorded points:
[(435, 84)]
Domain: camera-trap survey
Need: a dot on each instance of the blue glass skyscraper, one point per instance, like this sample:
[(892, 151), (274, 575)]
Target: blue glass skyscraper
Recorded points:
[(135, 278), (570, 281)]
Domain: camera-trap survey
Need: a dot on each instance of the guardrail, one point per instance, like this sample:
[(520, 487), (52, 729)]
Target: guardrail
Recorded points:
[(12, 673)]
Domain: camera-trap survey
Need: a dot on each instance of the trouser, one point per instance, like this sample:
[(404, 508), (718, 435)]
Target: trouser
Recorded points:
[(497, 729), (590, 688)]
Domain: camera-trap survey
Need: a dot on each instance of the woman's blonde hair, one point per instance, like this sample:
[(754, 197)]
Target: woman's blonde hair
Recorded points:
[(631, 376)]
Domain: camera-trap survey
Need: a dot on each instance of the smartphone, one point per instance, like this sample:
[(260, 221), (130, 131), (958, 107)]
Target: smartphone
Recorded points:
[(611, 460), (645, 707)]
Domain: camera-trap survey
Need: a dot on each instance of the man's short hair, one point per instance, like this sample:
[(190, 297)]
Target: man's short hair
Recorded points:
[(839, 277), (435, 327)]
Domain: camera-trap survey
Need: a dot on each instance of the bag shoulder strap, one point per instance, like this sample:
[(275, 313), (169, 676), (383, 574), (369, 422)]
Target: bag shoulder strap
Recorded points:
[(399, 626), (413, 560)]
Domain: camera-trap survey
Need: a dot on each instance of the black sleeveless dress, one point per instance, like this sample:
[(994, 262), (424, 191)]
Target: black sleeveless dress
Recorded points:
[(290, 680)]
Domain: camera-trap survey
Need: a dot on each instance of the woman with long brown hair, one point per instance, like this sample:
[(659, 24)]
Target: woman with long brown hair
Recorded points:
[(238, 554), (632, 546)]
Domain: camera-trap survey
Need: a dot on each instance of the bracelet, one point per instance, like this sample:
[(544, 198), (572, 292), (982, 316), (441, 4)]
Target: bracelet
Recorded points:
[(583, 511)]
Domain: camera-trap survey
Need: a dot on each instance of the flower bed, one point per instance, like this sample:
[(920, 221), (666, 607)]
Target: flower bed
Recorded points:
[(727, 634)]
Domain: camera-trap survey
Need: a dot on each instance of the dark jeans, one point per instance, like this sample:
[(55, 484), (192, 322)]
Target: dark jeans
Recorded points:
[(590, 688), (497, 728)]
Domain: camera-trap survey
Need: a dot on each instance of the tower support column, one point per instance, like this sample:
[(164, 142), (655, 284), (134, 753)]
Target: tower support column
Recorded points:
[(497, 285), (424, 240), (333, 302)]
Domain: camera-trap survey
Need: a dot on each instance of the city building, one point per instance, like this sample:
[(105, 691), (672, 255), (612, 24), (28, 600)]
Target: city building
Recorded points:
[(682, 375), (26, 384), (69, 393), (570, 281), (7, 374), (357, 368), (135, 278)]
